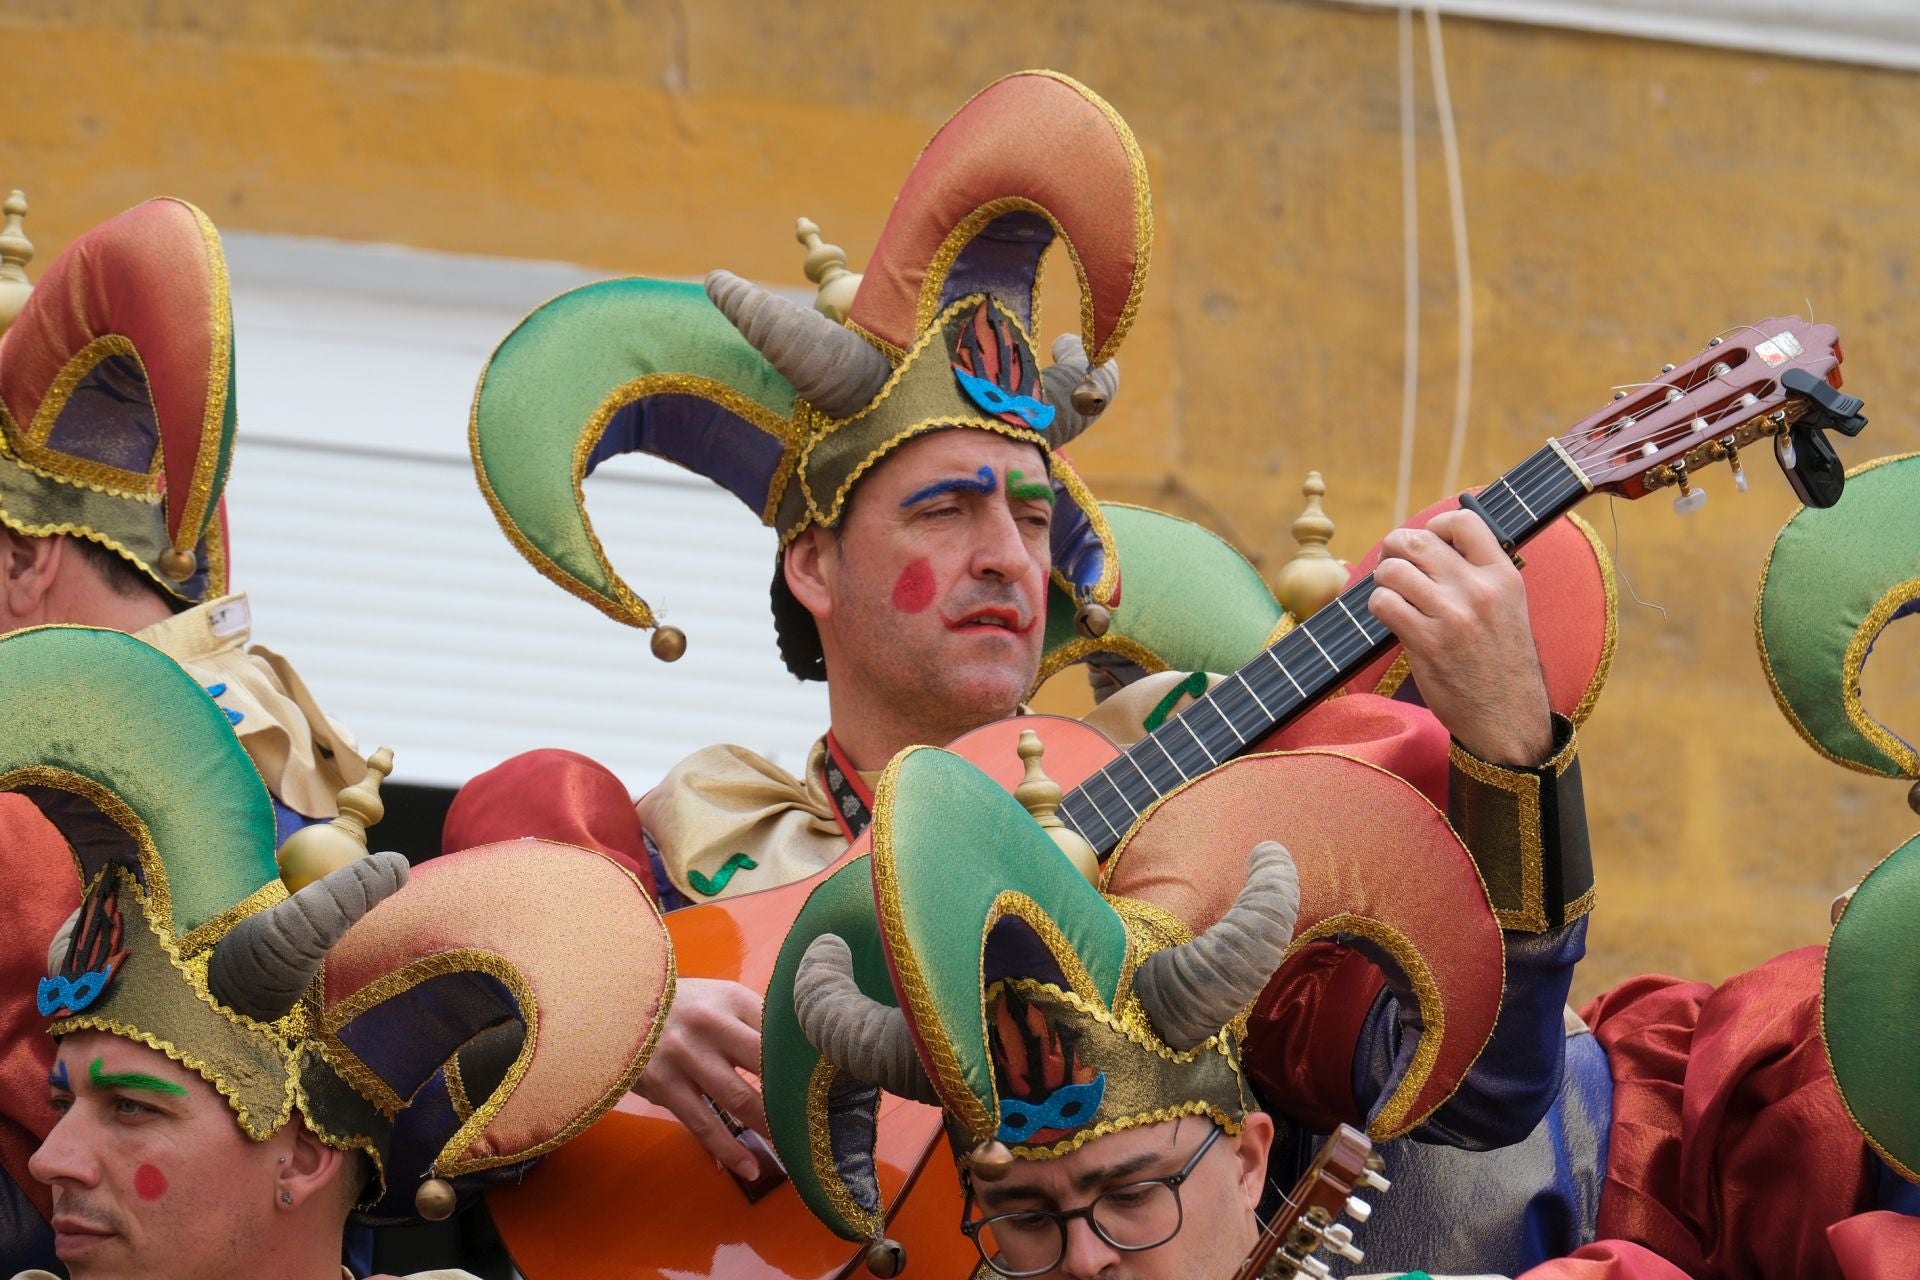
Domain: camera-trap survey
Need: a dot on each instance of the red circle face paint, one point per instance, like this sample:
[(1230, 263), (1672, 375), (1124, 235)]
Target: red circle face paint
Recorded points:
[(913, 589), (149, 1183)]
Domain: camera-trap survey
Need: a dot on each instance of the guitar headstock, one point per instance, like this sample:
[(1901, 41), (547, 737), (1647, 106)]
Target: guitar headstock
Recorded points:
[(1777, 380), (1310, 1219)]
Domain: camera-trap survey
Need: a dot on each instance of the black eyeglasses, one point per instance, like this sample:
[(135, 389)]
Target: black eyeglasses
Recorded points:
[(1132, 1217)]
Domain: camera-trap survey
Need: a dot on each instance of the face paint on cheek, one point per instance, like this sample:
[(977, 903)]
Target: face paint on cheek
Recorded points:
[(913, 589), (149, 1183)]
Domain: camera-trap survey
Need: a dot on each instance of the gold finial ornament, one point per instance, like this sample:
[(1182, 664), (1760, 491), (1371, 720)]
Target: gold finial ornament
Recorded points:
[(16, 251), (1913, 797), (826, 267), (1088, 400), (312, 853), (1312, 578), (990, 1161), (435, 1200), (668, 643), (886, 1258), (1041, 796), (178, 565)]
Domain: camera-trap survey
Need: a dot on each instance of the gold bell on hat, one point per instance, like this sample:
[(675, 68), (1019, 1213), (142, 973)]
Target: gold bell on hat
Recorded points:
[(435, 1200), (668, 643), (178, 565), (312, 853), (886, 1258), (990, 1161)]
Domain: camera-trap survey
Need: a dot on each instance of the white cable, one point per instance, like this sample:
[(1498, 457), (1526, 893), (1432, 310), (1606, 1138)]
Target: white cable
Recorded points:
[(1410, 238), (1462, 264)]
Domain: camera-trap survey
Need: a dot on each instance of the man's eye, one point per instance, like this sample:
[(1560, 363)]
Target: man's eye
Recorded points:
[(1129, 1197), (1022, 1223), (60, 1104), (128, 1107)]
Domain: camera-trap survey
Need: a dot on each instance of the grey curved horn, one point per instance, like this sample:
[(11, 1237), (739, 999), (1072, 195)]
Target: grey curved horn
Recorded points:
[(831, 367), (1063, 377), (62, 939), (864, 1038), (1191, 991), (266, 962)]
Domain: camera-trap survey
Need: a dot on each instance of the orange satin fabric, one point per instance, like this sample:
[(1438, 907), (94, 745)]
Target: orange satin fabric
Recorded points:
[(42, 891)]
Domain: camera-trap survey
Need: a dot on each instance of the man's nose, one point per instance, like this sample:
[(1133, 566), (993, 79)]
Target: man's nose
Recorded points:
[(63, 1158), (1087, 1255), (1002, 551)]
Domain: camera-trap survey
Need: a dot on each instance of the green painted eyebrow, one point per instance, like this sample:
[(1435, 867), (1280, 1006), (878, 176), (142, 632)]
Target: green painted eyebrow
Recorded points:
[(131, 1080), (1030, 491)]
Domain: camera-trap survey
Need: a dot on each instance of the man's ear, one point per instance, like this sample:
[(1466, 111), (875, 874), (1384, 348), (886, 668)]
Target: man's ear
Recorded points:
[(1251, 1148), (312, 1169), (28, 567), (810, 562)]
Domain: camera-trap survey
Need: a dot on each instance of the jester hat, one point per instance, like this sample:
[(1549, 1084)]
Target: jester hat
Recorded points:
[(1834, 580), (455, 1030), (1870, 1003), (968, 964), (785, 408), (116, 398)]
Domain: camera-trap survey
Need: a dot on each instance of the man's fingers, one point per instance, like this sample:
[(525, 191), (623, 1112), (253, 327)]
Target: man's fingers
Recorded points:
[(1406, 581), (1468, 534), (695, 1112), (1393, 610)]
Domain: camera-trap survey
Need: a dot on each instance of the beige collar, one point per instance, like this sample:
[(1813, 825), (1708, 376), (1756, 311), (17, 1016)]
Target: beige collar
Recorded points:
[(217, 626)]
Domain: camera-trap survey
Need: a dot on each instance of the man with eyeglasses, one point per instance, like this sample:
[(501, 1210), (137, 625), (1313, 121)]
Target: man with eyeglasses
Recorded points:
[(1085, 1049)]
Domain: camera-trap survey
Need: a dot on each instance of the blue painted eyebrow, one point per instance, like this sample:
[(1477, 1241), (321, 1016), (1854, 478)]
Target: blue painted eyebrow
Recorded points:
[(58, 1078), (983, 482)]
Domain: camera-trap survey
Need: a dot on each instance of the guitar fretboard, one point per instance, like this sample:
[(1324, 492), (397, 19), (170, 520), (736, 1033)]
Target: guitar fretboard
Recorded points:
[(1288, 678)]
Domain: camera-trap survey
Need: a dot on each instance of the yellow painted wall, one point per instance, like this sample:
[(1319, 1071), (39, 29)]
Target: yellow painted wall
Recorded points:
[(1626, 199)]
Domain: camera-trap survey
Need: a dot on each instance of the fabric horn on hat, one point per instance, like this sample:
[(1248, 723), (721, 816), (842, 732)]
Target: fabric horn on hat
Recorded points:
[(832, 368), (856, 1033), (1191, 991), (1068, 371), (266, 962)]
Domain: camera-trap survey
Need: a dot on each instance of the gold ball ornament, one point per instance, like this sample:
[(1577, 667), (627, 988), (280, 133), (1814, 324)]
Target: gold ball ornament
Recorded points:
[(1088, 400), (1092, 620), (669, 643), (886, 1258), (435, 1200), (1913, 797), (177, 565), (990, 1161)]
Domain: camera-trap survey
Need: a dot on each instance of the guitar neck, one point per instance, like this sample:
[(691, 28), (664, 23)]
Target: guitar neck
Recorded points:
[(1291, 676)]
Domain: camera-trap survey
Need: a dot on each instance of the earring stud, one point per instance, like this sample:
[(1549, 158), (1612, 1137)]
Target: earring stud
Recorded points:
[(286, 1197)]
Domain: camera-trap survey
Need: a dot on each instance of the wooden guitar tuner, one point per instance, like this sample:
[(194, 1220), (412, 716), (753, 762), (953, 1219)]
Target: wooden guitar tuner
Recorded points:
[(1309, 1219)]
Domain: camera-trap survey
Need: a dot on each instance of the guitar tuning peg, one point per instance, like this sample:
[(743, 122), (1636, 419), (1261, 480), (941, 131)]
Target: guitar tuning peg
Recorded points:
[(1739, 474), (1339, 1241), (1359, 1210), (1372, 1180), (1783, 451), (1690, 500), (1314, 1269)]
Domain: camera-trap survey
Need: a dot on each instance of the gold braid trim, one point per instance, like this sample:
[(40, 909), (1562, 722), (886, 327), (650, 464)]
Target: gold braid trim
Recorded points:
[(1903, 756), (1611, 639), (1083, 498), (270, 894), (1232, 1124), (826, 1169), (1139, 1032), (1080, 648), (148, 496), (909, 981), (192, 520), (1530, 916), (1766, 661), (155, 891), (457, 1088)]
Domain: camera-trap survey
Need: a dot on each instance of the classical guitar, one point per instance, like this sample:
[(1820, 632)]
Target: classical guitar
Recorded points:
[(1308, 1220), (637, 1197)]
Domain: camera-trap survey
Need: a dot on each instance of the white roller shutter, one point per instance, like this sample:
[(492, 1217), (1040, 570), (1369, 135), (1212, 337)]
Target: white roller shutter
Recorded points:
[(373, 562)]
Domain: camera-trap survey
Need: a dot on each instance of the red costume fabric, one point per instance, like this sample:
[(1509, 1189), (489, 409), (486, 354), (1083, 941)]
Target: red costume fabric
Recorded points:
[(1731, 1155), (42, 891), (556, 795)]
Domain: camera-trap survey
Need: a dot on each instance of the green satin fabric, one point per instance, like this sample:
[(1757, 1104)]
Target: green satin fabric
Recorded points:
[(1870, 999), (1829, 572), (142, 730), (1186, 597), (558, 377)]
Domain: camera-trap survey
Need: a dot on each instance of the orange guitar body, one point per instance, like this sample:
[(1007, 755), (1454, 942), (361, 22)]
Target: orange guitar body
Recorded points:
[(637, 1198)]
